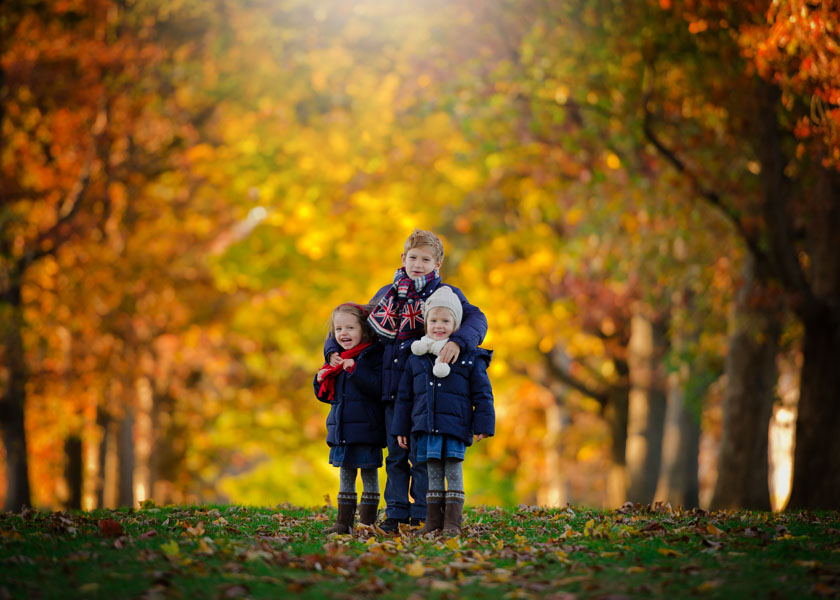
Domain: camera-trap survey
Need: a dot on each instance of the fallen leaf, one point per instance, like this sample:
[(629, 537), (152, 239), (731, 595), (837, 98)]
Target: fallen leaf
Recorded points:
[(197, 530), (809, 564), (453, 543), (443, 586), (821, 589), (415, 569), (234, 591), (171, 549), (206, 546), (708, 586), (110, 528), (668, 552)]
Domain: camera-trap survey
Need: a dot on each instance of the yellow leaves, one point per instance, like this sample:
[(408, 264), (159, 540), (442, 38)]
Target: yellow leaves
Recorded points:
[(453, 543), (708, 586), (808, 564), (464, 178), (438, 125), (415, 569), (312, 244), (612, 160), (668, 552), (588, 452), (171, 549), (542, 259), (607, 369)]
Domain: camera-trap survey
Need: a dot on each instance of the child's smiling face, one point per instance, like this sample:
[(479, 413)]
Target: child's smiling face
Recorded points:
[(347, 330), (420, 261), (440, 323)]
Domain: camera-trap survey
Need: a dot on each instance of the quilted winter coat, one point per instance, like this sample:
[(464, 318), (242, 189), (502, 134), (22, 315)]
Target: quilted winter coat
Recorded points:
[(357, 415), (460, 404)]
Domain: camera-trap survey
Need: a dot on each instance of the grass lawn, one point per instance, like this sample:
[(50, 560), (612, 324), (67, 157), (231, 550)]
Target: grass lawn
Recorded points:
[(238, 552)]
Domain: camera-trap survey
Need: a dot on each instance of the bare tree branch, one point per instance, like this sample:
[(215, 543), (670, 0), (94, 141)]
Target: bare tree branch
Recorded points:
[(706, 193), (563, 375), (50, 240)]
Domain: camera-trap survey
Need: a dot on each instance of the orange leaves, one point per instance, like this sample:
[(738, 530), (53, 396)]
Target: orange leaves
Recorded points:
[(797, 49)]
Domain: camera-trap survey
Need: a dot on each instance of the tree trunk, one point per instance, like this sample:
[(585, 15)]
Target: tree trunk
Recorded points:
[(168, 450), (12, 401), (103, 421), (646, 412), (125, 456), (748, 401), (678, 482), (73, 471), (554, 490), (816, 464), (616, 414)]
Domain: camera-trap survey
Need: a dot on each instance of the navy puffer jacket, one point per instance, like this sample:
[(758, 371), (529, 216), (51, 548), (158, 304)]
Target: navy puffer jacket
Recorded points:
[(468, 336), (357, 415), (460, 404)]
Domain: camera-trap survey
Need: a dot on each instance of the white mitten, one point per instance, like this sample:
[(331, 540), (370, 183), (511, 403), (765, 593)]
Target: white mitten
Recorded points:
[(441, 369)]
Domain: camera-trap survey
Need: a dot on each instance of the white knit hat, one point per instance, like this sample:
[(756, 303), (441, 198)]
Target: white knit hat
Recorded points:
[(444, 297)]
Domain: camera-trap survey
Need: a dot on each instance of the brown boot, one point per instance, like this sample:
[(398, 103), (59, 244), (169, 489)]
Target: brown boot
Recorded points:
[(434, 512), (453, 512), (346, 514), (368, 507)]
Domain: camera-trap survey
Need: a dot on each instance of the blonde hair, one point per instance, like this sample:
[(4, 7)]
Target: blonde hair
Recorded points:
[(420, 239), (360, 311)]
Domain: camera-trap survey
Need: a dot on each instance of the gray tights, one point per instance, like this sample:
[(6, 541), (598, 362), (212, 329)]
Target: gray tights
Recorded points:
[(347, 480), (450, 469)]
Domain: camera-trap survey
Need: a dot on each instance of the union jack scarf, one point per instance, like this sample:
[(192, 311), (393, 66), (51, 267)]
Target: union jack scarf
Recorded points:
[(399, 313)]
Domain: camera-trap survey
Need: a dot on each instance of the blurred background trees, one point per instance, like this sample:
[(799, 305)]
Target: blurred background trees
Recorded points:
[(642, 197)]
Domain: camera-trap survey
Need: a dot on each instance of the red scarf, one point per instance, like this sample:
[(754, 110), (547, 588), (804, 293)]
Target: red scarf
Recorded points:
[(328, 382)]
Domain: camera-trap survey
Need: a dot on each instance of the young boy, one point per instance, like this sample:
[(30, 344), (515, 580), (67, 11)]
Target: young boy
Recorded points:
[(397, 318)]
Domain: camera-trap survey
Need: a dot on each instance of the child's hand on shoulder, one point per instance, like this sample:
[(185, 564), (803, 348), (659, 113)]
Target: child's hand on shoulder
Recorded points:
[(450, 353), (348, 364), (320, 376), (335, 359)]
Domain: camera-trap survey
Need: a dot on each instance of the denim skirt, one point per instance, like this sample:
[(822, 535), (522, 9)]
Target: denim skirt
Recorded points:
[(440, 446), (356, 456)]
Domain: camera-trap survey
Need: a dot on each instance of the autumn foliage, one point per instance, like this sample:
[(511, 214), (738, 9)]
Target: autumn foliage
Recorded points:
[(188, 189)]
